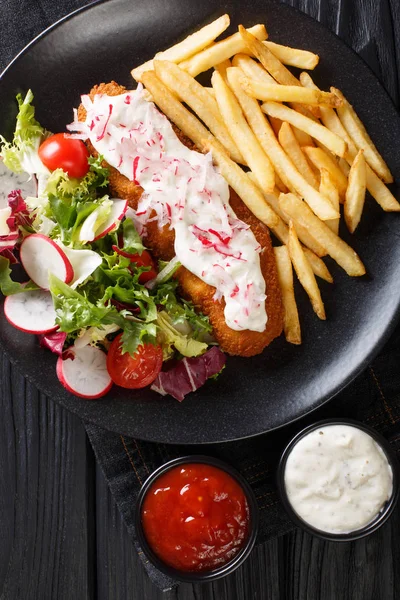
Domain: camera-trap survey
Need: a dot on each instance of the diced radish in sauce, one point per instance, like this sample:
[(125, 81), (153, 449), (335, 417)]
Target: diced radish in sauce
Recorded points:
[(184, 190)]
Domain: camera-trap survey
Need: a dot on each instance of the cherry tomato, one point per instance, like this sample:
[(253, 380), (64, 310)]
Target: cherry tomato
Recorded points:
[(60, 152), (134, 372), (144, 260)]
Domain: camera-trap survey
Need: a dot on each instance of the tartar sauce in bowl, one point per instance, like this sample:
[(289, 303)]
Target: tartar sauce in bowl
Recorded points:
[(338, 478)]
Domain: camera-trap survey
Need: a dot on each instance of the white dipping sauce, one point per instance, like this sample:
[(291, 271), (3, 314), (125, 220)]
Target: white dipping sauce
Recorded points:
[(338, 478)]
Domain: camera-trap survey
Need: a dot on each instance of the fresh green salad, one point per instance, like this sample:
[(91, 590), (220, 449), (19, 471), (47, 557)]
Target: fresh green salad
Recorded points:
[(91, 290)]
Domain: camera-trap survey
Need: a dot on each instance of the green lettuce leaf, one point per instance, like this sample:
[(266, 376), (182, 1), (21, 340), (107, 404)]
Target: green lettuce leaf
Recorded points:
[(76, 312), (86, 188), (22, 153), (8, 287), (132, 243), (136, 333), (171, 336), (181, 311)]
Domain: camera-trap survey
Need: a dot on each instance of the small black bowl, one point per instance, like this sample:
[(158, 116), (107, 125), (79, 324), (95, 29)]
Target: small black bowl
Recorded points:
[(381, 517), (198, 576)]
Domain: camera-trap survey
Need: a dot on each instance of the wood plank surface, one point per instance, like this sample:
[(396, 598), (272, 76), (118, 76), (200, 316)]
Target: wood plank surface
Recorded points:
[(61, 535), (47, 481)]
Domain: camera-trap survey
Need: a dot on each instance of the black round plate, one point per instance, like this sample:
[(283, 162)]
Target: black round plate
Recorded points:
[(254, 395)]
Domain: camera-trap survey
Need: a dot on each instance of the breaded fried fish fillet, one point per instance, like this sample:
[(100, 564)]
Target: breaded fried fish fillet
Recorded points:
[(161, 242)]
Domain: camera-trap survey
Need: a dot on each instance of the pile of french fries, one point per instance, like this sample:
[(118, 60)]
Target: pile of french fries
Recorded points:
[(292, 152)]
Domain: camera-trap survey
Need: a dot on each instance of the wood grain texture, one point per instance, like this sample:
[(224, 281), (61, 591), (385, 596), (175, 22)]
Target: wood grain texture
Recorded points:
[(45, 517), (61, 535)]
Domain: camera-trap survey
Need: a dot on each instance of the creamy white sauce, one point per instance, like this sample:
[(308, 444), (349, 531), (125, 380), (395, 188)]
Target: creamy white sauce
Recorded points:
[(187, 192), (338, 479)]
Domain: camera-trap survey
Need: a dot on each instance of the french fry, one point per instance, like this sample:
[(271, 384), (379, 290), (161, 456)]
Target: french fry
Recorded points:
[(345, 256), (216, 53), (199, 100), (381, 192), (191, 45), (271, 63), (332, 141), (305, 273), (291, 323), (317, 264), (252, 68), (344, 166), (175, 111), (276, 125), (279, 184), (355, 193), (241, 133), (278, 157), (360, 137), (287, 93), (289, 143), (305, 237), (323, 161), (281, 231), (223, 66), (302, 59), (329, 190), (329, 117), (241, 183), (309, 111), (375, 186), (302, 137), (274, 66)]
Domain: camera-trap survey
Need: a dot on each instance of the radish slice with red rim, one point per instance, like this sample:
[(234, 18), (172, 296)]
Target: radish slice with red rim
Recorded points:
[(41, 256), (86, 375), (89, 233), (32, 312)]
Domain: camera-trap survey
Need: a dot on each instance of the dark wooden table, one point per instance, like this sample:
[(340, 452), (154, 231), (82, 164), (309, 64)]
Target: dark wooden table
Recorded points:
[(61, 536)]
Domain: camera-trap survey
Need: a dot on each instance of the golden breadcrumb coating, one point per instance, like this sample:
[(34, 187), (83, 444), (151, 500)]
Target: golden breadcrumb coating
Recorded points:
[(161, 243)]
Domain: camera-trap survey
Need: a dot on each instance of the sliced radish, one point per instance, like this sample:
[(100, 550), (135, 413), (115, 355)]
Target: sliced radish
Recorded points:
[(32, 312), (83, 262), (40, 256), (10, 181), (86, 375), (89, 232)]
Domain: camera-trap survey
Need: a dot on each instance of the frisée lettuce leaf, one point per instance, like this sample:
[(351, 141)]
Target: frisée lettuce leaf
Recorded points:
[(21, 155)]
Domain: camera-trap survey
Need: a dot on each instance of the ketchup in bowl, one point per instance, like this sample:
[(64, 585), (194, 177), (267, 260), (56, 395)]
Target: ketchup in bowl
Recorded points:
[(195, 517)]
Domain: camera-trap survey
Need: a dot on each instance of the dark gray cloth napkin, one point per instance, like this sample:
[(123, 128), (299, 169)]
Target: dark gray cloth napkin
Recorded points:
[(373, 398)]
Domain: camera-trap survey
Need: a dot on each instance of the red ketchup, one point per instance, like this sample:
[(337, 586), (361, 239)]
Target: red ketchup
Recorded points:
[(195, 517)]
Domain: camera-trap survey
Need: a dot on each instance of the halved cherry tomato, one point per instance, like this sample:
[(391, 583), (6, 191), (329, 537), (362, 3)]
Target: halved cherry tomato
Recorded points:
[(134, 372), (141, 260), (60, 152), (144, 260)]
